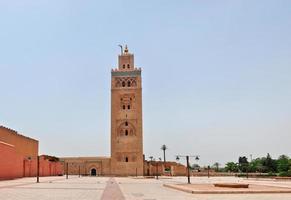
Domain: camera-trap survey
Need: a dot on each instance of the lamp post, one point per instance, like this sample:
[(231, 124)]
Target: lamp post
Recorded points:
[(157, 165), (188, 163), (37, 172), (67, 169), (79, 171), (157, 177)]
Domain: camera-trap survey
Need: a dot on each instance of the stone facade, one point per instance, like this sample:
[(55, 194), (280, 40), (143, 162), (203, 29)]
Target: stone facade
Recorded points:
[(126, 118), (126, 126), (152, 168), (94, 166), (127, 157)]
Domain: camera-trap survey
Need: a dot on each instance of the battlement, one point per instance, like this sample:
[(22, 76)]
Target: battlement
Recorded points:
[(118, 70), (16, 133)]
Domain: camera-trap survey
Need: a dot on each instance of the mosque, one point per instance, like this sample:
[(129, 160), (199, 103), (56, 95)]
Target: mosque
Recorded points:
[(127, 157)]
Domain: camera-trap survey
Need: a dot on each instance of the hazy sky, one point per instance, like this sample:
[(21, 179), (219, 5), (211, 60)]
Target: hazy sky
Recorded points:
[(216, 74)]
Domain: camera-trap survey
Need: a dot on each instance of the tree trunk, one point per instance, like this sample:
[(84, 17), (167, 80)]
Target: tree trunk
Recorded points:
[(164, 155)]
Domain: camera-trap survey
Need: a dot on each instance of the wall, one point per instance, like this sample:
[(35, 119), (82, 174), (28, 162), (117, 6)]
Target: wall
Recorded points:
[(101, 164), (18, 157), (126, 118), (11, 163), (24, 146), (151, 168), (50, 168)]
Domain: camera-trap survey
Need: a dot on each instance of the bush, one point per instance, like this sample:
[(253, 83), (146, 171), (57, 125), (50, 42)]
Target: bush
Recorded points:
[(271, 174), (288, 173)]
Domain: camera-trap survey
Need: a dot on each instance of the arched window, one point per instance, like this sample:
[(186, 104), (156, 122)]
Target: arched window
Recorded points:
[(126, 132), (123, 84), (126, 159), (126, 123), (123, 66), (123, 107), (133, 83), (128, 83), (128, 107), (128, 66)]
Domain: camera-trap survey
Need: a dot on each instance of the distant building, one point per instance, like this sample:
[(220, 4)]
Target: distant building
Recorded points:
[(126, 130), (126, 126), (18, 157)]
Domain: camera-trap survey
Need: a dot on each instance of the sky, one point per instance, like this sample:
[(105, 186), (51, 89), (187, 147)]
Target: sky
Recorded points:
[(216, 74)]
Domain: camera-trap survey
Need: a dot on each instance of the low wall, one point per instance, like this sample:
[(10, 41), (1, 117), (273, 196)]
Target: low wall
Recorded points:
[(11, 163), (50, 168), (46, 167)]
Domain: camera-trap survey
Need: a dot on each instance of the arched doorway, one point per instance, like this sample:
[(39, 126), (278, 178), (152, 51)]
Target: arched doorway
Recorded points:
[(93, 172)]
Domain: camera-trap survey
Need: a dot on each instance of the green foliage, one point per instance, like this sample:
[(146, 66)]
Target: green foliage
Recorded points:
[(195, 167), (286, 173), (167, 169), (231, 167), (269, 163), (282, 165), (243, 164), (216, 166), (271, 174), (164, 147)]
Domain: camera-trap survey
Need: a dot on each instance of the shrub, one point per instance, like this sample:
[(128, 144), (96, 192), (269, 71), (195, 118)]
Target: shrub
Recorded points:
[(288, 173)]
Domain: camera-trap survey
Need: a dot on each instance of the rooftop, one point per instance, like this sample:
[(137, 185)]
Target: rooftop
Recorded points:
[(16, 133)]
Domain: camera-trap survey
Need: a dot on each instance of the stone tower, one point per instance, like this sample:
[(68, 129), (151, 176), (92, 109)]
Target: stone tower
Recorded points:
[(126, 117)]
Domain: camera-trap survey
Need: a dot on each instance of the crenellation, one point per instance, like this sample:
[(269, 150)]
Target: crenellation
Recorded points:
[(16, 133)]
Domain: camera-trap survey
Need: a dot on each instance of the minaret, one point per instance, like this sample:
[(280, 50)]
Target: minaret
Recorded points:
[(126, 117)]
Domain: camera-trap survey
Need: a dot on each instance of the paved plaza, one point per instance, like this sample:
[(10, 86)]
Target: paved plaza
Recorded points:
[(89, 188)]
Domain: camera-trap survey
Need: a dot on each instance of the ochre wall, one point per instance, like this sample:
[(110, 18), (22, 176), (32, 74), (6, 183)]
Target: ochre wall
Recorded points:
[(18, 157), (101, 164), (11, 163), (151, 168), (50, 168), (46, 167), (126, 118), (24, 146)]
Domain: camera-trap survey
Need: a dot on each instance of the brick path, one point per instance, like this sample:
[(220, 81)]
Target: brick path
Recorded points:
[(112, 191), (105, 188)]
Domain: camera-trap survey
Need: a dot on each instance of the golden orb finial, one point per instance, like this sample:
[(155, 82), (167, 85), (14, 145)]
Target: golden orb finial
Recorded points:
[(126, 49)]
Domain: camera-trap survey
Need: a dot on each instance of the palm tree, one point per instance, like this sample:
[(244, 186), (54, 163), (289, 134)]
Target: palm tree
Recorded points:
[(164, 148), (151, 158), (216, 165)]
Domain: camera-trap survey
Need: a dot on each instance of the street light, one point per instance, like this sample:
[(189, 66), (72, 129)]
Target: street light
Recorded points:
[(188, 165), (37, 172), (157, 166)]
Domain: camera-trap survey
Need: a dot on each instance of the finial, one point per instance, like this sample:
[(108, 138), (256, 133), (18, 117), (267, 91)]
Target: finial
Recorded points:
[(121, 48), (126, 49)]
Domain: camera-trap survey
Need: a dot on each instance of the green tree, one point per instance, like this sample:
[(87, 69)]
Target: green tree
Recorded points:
[(243, 164), (164, 148), (216, 166), (195, 167), (231, 167), (256, 165), (269, 164), (283, 164)]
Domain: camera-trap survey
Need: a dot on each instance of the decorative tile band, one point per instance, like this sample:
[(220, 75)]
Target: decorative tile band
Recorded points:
[(126, 73)]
